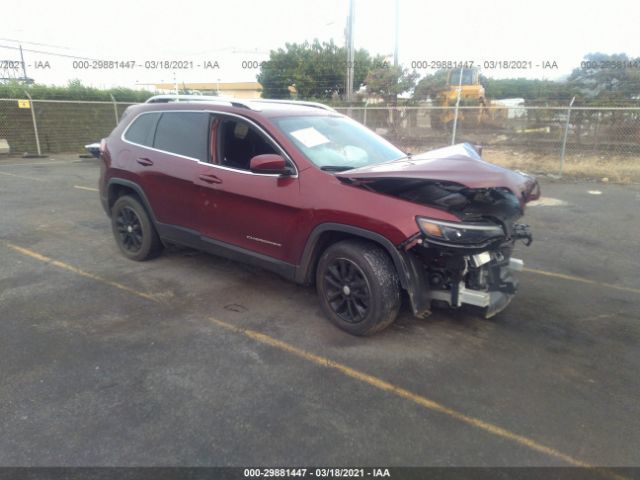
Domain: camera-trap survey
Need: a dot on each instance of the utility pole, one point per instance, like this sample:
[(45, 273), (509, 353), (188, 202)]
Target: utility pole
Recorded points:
[(395, 48), (393, 113), (350, 52)]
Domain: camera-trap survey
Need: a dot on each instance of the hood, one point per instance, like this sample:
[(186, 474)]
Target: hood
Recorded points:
[(460, 164)]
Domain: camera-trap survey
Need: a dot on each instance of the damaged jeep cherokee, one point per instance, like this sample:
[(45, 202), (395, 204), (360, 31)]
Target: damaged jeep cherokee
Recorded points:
[(314, 196)]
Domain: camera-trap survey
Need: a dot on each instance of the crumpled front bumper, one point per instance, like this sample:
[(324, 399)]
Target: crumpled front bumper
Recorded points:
[(491, 301)]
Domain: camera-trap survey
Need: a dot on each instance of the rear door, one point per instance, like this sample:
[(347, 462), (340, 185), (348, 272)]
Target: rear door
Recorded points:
[(167, 168)]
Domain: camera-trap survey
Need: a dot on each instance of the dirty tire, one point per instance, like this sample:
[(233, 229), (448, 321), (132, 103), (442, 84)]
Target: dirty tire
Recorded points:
[(358, 287), (134, 233)]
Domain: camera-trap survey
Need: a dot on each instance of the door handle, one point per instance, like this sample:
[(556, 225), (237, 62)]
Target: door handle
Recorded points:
[(145, 162), (210, 178)]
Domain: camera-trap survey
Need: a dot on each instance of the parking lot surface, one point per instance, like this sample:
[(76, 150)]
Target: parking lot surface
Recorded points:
[(191, 359)]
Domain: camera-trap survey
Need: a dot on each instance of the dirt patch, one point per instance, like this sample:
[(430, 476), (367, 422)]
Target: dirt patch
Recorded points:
[(614, 169), (610, 168)]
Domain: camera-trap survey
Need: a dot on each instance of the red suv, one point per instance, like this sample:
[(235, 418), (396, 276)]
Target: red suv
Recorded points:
[(316, 197)]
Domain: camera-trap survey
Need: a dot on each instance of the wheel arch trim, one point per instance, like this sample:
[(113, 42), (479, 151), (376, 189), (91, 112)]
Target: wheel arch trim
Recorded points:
[(310, 254), (116, 181)]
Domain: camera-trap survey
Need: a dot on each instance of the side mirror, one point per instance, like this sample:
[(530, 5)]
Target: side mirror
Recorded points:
[(269, 163)]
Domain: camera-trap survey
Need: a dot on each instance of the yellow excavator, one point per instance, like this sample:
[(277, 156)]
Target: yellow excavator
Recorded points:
[(471, 94)]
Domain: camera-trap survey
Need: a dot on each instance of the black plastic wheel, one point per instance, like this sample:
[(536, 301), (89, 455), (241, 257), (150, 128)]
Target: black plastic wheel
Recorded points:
[(358, 286), (132, 228)]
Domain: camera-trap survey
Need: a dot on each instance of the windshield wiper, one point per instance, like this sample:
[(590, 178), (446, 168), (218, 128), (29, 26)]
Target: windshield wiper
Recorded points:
[(408, 156), (336, 168)]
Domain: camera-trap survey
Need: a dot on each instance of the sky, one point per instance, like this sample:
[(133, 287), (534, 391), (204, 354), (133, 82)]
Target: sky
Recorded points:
[(237, 31)]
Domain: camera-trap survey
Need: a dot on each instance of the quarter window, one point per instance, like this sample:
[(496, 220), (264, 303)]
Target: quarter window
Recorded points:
[(184, 133), (142, 129)]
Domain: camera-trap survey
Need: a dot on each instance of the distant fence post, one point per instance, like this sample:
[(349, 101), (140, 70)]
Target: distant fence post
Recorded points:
[(33, 118), (566, 134), (596, 135), (115, 108), (455, 116), (364, 116)]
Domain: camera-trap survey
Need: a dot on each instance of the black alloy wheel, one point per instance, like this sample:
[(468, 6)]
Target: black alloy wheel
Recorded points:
[(347, 290), (130, 229), (358, 286), (133, 229)]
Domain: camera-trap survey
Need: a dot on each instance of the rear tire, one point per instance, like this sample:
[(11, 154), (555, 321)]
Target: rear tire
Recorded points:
[(358, 287), (133, 230)]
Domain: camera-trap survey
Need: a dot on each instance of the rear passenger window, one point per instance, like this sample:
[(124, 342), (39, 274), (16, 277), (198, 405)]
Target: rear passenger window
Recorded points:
[(184, 133), (142, 129)]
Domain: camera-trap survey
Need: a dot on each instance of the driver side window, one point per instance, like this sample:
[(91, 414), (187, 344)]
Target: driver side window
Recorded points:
[(239, 142)]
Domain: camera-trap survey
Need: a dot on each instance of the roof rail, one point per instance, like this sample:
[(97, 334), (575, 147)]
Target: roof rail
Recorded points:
[(234, 102), (197, 98), (295, 102)]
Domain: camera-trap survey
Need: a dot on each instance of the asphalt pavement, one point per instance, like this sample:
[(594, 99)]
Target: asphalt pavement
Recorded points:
[(195, 360)]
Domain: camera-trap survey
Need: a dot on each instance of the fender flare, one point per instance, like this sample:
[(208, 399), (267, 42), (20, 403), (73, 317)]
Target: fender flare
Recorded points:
[(135, 187), (310, 251)]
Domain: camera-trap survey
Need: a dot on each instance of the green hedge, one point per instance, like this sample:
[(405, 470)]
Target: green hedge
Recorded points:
[(73, 91)]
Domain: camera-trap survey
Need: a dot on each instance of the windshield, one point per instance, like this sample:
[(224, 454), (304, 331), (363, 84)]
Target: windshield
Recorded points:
[(337, 143)]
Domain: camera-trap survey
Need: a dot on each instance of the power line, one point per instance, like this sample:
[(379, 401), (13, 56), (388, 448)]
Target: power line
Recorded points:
[(35, 43), (49, 53)]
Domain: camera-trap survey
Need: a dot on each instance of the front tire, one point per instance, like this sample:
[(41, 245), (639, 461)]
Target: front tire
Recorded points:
[(358, 287), (132, 228)]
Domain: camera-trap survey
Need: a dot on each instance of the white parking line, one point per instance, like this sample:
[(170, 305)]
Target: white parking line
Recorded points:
[(52, 162), (22, 176), (80, 187)]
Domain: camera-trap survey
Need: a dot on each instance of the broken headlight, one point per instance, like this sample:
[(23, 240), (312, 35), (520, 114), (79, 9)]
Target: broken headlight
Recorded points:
[(459, 234)]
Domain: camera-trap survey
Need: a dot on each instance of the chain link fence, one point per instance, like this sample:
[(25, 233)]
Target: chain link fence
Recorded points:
[(600, 130), (586, 141), (549, 133), (56, 126)]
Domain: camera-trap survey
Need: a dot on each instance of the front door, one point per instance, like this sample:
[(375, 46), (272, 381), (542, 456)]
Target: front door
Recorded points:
[(256, 212)]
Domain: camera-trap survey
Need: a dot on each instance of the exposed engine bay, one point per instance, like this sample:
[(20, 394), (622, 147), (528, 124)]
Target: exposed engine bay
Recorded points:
[(476, 272), (467, 262)]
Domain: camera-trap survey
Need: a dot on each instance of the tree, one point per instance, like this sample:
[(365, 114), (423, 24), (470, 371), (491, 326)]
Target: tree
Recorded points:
[(316, 70), (607, 79), (389, 82), (429, 86)]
